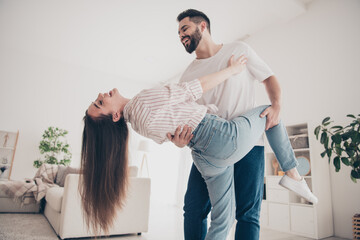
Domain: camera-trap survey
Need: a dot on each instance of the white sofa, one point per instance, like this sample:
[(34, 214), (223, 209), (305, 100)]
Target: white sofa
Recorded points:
[(63, 209)]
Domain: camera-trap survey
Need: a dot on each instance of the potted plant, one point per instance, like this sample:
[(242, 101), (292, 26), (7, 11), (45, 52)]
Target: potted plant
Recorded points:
[(341, 143), (54, 148)]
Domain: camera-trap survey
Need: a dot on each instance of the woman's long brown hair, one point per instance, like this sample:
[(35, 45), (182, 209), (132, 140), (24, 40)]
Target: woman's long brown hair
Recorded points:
[(104, 168)]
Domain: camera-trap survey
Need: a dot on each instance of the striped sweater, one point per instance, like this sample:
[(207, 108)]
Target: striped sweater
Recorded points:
[(155, 112)]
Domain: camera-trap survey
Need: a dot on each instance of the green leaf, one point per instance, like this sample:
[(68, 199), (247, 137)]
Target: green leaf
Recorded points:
[(353, 179), (323, 137), (337, 127), (350, 153), (356, 163), (325, 120), (325, 124), (336, 138), (354, 174), (326, 143), (323, 154), (329, 152), (337, 163), (350, 115), (338, 150), (316, 132), (355, 136), (345, 136), (345, 161)]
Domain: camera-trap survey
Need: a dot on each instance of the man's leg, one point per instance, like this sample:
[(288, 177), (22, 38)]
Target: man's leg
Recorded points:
[(249, 184), (196, 207)]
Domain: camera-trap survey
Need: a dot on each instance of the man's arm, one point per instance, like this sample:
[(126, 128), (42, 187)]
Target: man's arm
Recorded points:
[(274, 92), (182, 138), (212, 80)]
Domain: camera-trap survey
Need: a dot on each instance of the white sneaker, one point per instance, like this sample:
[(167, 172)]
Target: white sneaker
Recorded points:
[(298, 187)]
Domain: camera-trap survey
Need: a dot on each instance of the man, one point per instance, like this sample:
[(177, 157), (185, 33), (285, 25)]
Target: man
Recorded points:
[(230, 99)]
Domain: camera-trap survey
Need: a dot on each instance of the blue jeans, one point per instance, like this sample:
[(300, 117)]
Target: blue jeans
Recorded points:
[(248, 197), (217, 145)]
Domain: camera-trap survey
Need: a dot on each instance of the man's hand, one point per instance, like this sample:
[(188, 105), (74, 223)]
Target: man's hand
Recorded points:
[(273, 116), (181, 139)]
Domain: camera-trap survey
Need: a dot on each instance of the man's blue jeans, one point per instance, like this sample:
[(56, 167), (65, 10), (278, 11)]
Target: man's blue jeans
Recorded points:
[(248, 196)]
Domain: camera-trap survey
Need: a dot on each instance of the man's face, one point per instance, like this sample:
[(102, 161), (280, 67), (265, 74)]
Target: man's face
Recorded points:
[(189, 34)]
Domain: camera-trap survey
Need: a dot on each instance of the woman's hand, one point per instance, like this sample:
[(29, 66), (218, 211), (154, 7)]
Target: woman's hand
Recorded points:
[(237, 65)]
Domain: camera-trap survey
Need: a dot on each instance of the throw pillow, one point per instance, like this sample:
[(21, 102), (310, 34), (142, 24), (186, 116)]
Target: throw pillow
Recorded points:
[(63, 172)]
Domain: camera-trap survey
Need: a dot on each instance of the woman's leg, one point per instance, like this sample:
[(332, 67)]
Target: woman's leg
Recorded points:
[(196, 207), (280, 143), (245, 131), (248, 128), (221, 192)]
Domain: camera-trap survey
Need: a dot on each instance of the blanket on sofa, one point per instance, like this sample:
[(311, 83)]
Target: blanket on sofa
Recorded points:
[(44, 179)]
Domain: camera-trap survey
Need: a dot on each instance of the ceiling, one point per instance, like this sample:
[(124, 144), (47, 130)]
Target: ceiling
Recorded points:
[(133, 39)]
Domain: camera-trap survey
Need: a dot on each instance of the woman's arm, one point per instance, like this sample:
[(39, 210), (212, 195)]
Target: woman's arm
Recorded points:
[(234, 67)]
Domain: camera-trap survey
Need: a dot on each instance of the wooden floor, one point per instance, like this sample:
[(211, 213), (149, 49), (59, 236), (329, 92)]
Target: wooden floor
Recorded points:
[(166, 223)]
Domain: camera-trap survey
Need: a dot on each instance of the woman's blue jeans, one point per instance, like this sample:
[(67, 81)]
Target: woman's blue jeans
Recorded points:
[(249, 185), (217, 145)]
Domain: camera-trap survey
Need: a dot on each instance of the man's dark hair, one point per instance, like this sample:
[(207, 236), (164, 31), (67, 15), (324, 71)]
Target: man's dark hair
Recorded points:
[(195, 16)]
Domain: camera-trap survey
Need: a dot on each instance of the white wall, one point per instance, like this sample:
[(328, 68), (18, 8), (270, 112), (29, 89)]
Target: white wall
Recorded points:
[(37, 92), (44, 81), (316, 58)]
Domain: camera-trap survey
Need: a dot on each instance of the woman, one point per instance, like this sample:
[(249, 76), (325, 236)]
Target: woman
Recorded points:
[(217, 144)]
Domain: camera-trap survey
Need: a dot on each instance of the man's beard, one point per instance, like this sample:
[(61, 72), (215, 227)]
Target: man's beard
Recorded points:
[(194, 41)]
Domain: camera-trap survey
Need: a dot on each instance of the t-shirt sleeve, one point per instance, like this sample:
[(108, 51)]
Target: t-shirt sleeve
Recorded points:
[(256, 65)]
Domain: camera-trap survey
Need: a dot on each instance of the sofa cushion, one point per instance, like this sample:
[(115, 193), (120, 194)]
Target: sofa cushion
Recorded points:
[(54, 197), (63, 171)]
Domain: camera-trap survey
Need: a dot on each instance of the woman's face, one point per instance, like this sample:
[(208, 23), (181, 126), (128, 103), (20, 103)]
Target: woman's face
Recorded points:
[(105, 104)]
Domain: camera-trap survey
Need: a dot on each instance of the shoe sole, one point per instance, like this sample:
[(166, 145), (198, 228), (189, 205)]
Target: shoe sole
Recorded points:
[(280, 183)]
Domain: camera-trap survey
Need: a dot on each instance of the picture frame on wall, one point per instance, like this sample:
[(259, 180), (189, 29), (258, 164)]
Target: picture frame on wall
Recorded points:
[(8, 142)]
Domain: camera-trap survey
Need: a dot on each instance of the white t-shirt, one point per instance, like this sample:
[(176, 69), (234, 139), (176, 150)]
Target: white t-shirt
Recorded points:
[(237, 94)]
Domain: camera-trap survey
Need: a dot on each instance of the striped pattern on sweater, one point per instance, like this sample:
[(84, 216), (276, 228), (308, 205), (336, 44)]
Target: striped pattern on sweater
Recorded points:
[(155, 112)]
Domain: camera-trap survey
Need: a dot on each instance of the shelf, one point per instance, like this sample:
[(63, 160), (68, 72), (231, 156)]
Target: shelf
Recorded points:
[(302, 204), (277, 176), (5, 164), (298, 135), (270, 151), (8, 148), (285, 210), (269, 201), (302, 150), (8, 142), (291, 203)]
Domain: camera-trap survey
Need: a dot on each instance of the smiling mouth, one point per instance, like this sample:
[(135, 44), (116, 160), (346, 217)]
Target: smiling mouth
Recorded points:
[(186, 40)]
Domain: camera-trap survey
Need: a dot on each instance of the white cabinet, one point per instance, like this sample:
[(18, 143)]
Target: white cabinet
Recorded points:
[(284, 210), (264, 220), (277, 195), (279, 216), (302, 219)]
